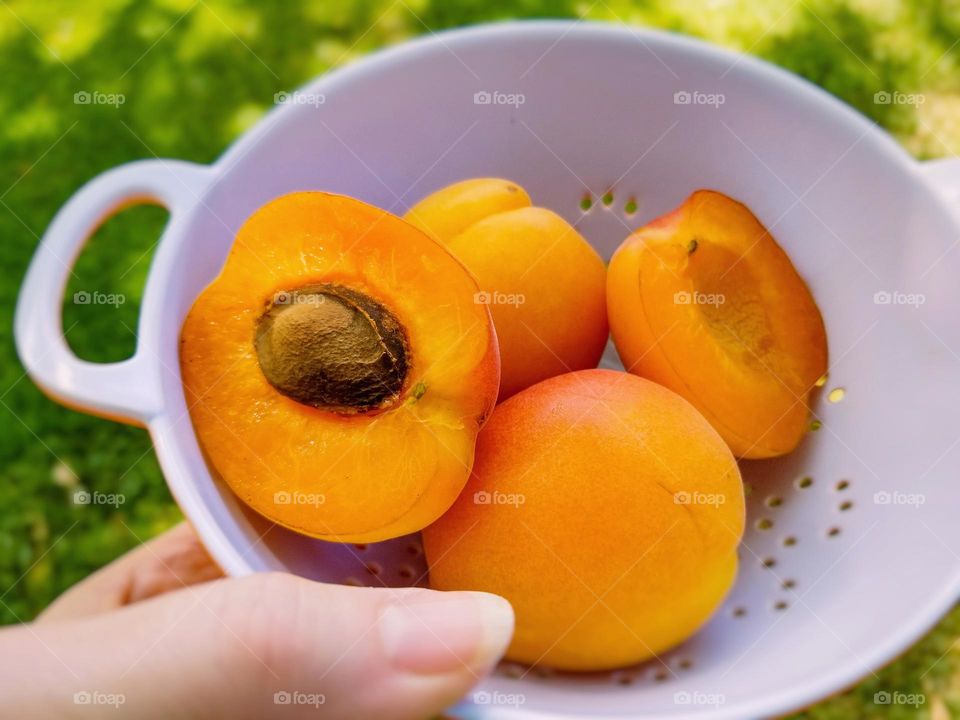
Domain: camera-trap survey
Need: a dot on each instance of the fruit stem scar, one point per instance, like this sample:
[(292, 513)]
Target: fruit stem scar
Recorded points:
[(692, 246)]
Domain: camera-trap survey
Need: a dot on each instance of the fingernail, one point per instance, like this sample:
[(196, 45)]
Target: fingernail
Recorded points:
[(439, 632)]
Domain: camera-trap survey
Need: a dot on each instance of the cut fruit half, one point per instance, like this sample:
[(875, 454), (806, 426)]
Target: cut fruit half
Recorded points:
[(704, 301), (338, 370)]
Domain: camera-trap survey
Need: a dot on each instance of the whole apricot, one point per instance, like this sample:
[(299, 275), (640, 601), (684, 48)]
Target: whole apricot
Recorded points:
[(704, 301), (606, 509), (544, 283), (338, 370), (449, 211)]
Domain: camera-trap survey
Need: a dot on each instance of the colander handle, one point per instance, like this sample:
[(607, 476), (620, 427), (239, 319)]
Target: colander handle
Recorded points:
[(128, 390), (944, 175)]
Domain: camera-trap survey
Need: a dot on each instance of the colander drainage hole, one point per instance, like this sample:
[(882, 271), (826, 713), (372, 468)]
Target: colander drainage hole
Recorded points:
[(764, 524), (788, 584), (361, 547), (661, 676), (805, 482), (833, 532), (685, 664), (774, 501), (842, 485), (836, 395), (739, 612), (769, 562), (780, 605), (607, 198), (353, 582), (512, 670), (630, 207), (405, 572), (789, 541), (586, 202), (374, 568), (414, 549), (845, 505)]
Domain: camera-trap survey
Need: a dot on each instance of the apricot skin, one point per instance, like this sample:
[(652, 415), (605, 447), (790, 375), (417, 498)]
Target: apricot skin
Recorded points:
[(704, 301), (544, 282), (449, 211), (349, 477), (595, 484)]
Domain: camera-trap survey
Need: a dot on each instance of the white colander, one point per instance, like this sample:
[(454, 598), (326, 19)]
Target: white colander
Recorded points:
[(851, 551)]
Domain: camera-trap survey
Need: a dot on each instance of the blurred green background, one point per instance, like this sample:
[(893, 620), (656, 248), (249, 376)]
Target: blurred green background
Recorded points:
[(196, 74)]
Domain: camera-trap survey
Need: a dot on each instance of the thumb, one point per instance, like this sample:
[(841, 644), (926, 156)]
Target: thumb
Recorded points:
[(377, 653), (269, 645)]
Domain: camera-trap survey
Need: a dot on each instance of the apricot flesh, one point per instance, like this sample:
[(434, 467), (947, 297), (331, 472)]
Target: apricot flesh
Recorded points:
[(704, 301), (606, 509), (338, 370), (544, 283)]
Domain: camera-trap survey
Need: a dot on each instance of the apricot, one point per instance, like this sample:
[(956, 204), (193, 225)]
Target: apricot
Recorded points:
[(544, 283), (704, 301), (449, 211), (606, 509), (338, 370)]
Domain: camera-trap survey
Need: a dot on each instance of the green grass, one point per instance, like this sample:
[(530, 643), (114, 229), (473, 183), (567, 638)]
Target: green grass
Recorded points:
[(195, 76)]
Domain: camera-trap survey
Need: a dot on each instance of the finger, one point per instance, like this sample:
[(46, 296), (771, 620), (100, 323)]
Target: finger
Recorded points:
[(168, 562), (380, 653), (262, 646)]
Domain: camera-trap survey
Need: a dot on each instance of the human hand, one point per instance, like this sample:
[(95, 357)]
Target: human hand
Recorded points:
[(160, 633)]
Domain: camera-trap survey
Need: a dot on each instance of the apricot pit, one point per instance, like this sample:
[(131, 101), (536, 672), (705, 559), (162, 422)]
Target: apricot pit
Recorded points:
[(332, 348)]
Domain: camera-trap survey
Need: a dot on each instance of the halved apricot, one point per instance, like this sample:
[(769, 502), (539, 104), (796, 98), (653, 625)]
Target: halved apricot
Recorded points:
[(704, 301), (544, 283), (338, 370)]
